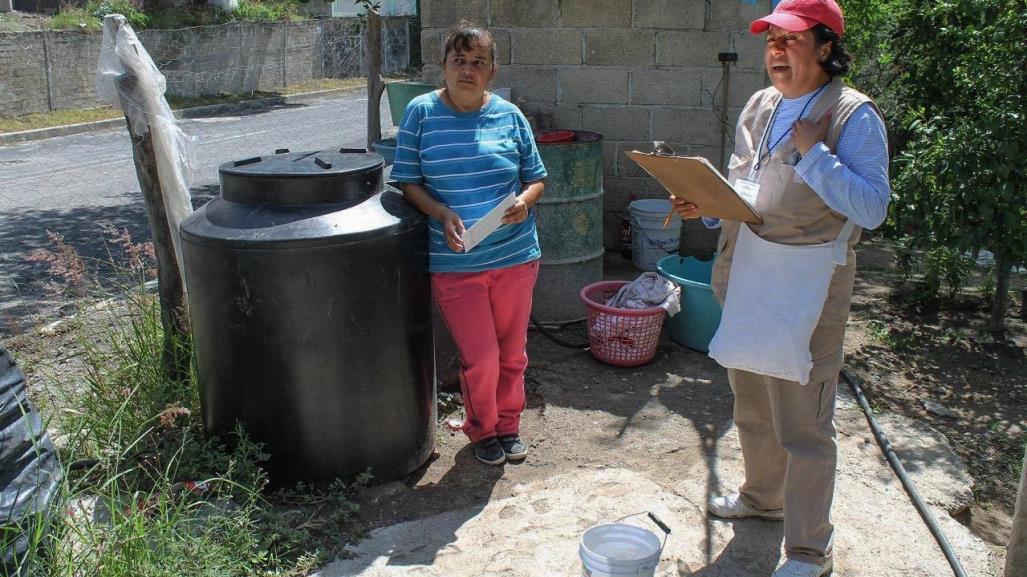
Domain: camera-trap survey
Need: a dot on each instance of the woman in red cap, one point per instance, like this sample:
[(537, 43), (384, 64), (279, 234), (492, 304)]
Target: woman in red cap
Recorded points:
[(811, 155)]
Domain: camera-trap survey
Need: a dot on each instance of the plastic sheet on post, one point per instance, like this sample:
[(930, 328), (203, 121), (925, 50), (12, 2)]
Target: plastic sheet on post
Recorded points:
[(30, 470), (127, 78)]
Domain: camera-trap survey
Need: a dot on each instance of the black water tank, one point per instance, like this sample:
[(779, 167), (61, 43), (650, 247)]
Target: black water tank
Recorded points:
[(309, 297)]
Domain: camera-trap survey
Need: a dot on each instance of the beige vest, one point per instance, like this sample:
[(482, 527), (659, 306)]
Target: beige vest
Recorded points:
[(793, 213)]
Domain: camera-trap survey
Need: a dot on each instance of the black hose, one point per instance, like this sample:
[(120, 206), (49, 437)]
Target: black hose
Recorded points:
[(900, 472), (556, 339)]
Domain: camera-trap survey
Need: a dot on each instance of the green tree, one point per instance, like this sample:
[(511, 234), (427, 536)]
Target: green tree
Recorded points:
[(960, 99)]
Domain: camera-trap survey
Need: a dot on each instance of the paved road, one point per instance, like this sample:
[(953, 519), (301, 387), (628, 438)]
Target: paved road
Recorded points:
[(71, 185)]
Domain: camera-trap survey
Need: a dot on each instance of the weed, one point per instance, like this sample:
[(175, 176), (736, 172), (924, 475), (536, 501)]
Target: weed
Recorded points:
[(67, 269), (948, 269), (879, 332), (955, 336), (130, 9), (147, 492), (905, 257)]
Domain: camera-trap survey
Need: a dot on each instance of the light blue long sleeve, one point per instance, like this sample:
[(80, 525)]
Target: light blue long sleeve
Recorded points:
[(853, 182)]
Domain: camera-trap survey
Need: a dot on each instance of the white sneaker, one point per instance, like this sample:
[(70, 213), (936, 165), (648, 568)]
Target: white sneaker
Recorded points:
[(732, 507), (793, 568)]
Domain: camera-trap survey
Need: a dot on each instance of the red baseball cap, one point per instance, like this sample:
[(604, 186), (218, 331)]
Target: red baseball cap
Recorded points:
[(798, 15)]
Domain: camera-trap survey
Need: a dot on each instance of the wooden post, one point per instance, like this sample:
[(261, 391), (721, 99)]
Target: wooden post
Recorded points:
[(174, 313), (1016, 552), (375, 82)]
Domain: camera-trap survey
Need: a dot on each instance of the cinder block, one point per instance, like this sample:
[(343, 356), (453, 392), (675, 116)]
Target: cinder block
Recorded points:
[(695, 126), (690, 47), (596, 13), (609, 149), (432, 40), (712, 152), (619, 190), (545, 46), (502, 38), (666, 87), (736, 15), (618, 122), (611, 230), (620, 47), (445, 13), (743, 84), (750, 49), (552, 117), (532, 84), (593, 85), (626, 166), (525, 13), (678, 14)]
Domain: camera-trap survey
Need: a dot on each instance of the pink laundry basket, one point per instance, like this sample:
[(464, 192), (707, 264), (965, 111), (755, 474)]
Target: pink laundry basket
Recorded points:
[(621, 337)]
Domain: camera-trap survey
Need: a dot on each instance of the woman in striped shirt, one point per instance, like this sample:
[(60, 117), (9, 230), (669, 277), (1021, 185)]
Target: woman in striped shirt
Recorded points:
[(460, 152)]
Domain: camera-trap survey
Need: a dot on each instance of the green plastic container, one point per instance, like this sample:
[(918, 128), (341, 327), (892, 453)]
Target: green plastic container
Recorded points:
[(570, 226), (401, 93), (699, 318)]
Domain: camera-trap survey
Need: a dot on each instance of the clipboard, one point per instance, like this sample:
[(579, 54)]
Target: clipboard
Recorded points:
[(696, 180)]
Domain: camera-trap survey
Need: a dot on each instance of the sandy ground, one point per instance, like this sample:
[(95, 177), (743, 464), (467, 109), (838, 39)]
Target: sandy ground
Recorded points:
[(608, 441)]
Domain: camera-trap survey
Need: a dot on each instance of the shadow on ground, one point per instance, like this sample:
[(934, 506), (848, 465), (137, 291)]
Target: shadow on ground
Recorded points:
[(25, 300)]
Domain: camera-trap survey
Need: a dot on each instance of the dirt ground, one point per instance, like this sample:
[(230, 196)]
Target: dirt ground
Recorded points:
[(904, 356), (910, 356)]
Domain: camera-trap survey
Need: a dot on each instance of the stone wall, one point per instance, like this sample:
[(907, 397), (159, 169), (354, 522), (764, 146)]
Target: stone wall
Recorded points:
[(633, 70), (43, 71)]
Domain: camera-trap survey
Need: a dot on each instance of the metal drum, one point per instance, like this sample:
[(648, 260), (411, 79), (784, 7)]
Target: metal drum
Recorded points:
[(310, 303), (570, 226)]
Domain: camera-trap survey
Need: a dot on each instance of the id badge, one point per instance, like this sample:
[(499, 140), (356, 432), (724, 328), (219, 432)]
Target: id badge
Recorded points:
[(748, 190)]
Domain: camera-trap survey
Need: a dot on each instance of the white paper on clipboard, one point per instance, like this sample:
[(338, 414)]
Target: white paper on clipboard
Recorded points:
[(487, 224)]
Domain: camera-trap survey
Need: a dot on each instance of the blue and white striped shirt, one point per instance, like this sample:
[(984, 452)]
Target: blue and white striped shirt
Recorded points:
[(854, 181), (470, 161)]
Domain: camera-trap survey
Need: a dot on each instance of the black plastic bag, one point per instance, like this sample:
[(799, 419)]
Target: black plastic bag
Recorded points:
[(30, 472)]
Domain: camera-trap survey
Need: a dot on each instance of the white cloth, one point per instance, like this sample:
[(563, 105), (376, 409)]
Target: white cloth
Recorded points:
[(648, 290), (773, 304)]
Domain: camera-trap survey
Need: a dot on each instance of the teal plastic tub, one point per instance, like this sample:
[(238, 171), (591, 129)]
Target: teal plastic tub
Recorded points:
[(387, 148), (699, 318)]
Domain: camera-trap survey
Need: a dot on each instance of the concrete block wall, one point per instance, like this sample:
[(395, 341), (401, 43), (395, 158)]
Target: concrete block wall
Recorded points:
[(633, 70), (43, 71)]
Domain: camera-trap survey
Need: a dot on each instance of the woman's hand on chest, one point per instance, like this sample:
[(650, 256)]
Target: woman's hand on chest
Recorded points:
[(806, 133)]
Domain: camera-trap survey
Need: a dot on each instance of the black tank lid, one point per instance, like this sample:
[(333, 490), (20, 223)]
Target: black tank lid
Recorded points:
[(327, 176)]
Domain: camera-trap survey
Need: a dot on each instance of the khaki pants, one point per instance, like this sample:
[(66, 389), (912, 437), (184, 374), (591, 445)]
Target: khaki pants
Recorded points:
[(788, 443)]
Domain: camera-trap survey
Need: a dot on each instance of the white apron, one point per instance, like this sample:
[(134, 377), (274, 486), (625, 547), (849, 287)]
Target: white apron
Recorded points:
[(773, 303)]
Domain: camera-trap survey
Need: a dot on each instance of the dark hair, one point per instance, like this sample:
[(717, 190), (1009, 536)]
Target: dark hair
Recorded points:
[(837, 62), (465, 36)]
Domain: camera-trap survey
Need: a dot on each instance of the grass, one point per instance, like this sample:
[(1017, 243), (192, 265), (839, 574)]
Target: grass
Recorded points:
[(64, 117), (57, 118), (145, 491)]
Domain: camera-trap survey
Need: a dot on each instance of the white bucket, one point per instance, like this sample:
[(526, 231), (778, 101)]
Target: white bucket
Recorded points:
[(649, 240), (619, 550)]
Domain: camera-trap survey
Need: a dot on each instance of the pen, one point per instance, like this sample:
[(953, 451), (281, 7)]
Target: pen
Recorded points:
[(666, 221)]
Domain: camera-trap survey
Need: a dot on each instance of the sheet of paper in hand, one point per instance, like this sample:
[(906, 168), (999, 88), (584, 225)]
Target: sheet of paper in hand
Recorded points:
[(694, 179), (487, 224)]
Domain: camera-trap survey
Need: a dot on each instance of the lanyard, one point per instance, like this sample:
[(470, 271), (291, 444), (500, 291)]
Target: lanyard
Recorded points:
[(760, 157)]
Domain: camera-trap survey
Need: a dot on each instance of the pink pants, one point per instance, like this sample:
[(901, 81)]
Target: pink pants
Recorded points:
[(487, 314)]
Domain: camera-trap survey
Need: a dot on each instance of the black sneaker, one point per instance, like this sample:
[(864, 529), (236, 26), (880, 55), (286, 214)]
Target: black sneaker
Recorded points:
[(489, 451), (513, 447)]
